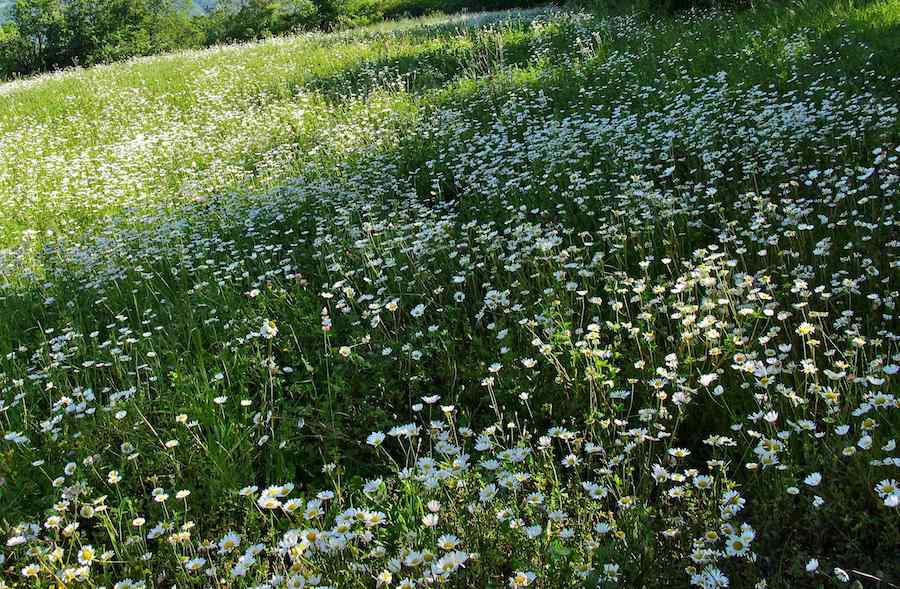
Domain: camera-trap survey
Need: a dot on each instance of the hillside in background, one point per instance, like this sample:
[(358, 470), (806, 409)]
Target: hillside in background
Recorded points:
[(543, 299), (202, 6)]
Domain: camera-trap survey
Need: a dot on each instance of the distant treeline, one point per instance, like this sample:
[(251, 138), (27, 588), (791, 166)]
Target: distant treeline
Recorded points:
[(43, 35)]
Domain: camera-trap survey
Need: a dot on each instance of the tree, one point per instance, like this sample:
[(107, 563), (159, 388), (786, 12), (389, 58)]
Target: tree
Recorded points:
[(42, 32)]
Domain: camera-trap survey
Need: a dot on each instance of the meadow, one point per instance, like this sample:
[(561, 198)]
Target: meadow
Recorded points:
[(545, 298)]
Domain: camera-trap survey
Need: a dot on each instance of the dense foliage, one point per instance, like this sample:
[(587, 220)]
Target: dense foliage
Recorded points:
[(535, 299), (47, 34)]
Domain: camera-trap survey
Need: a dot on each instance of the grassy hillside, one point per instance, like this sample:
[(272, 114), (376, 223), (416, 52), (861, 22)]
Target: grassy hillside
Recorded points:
[(543, 298)]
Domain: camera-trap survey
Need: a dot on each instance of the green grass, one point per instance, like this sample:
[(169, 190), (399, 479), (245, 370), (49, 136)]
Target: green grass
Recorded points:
[(566, 224), (81, 144)]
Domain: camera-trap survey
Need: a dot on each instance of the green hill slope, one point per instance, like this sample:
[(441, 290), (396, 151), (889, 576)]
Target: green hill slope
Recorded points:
[(535, 299)]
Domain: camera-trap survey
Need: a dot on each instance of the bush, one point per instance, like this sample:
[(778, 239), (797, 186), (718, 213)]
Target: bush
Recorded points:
[(10, 47), (49, 34), (258, 19)]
